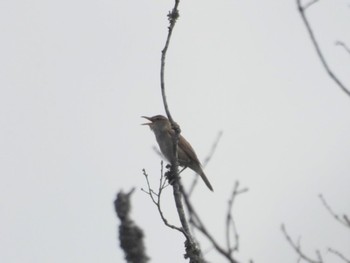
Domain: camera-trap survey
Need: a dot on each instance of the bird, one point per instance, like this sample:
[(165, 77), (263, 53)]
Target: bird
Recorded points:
[(187, 157)]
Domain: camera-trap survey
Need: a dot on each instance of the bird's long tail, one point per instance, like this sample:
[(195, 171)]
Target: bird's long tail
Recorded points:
[(206, 181)]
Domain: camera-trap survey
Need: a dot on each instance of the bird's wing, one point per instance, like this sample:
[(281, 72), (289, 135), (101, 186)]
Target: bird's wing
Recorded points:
[(186, 148)]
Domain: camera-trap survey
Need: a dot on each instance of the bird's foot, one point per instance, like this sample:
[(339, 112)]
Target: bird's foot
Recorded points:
[(170, 175)]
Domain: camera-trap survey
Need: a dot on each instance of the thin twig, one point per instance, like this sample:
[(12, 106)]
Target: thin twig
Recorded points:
[(298, 250), (302, 10), (306, 6), (156, 197), (344, 221), (206, 161), (150, 191), (340, 255), (230, 221), (172, 16), (340, 43), (199, 225), (318, 253), (213, 149)]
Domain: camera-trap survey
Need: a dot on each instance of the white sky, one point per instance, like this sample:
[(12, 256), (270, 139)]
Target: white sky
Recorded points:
[(75, 77)]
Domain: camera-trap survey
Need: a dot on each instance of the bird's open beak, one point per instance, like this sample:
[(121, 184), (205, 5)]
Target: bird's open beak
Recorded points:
[(147, 118)]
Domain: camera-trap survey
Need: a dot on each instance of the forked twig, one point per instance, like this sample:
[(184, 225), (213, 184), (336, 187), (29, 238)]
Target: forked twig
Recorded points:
[(156, 197), (340, 255), (298, 250), (302, 9), (343, 220), (230, 223), (196, 221)]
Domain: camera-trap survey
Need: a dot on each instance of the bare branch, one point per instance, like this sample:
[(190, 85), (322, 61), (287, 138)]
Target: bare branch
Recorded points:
[(130, 235), (343, 220), (192, 250), (346, 219), (306, 6), (230, 223), (302, 10), (340, 43), (172, 16), (340, 255), (206, 161), (199, 225), (156, 198), (298, 250), (318, 253), (213, 149)]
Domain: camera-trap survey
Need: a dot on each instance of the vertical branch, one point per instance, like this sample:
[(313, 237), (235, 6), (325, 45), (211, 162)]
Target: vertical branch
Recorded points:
[(172, 16), (192, 250)]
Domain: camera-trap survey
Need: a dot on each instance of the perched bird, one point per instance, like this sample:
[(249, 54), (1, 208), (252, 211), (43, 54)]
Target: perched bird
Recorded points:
[(163, 131)]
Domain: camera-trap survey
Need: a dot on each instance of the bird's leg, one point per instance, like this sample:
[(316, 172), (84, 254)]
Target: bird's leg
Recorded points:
[(168, 175), (182, 169)]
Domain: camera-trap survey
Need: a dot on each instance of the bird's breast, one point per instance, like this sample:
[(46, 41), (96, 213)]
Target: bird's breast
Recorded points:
[(166, 145)]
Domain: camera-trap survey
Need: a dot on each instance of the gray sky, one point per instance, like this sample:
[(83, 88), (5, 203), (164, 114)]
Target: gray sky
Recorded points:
[(75, 77)]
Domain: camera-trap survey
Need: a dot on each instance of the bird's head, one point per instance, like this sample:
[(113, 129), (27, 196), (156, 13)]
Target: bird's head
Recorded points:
[(157, 123)]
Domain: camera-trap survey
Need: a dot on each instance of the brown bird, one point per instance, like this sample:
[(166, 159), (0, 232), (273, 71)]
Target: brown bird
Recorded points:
[(163, 131)]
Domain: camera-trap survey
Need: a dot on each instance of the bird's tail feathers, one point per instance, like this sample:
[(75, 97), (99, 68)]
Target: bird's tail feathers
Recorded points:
[(206, 181)]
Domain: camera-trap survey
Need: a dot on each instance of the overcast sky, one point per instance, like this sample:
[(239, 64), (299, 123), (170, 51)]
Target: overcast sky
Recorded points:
[(75, 77)]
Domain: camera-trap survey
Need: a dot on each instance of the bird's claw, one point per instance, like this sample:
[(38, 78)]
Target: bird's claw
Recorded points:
[(170, 175)]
